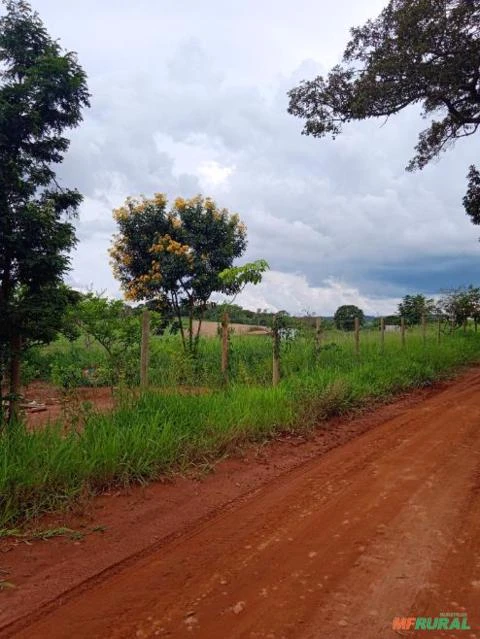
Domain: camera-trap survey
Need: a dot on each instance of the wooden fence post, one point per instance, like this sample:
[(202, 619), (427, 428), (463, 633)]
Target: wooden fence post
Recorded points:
[(424, 328), (225, 322), (382, 335), (402, 330), (144, 351), (318, 334), (276, 354), (357, 336)]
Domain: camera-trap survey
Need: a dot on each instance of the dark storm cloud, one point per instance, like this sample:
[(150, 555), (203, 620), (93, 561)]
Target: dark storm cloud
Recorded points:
[(430, 276)]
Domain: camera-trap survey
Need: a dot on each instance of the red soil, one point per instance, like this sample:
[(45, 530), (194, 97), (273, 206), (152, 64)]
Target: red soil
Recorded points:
[(57, 406), (374, 517)]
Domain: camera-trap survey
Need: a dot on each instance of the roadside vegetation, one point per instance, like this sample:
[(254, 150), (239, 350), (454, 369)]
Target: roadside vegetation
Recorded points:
[(156, 433)]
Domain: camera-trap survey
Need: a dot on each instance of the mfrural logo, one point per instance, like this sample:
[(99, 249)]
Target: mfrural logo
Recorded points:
[(444, 621)]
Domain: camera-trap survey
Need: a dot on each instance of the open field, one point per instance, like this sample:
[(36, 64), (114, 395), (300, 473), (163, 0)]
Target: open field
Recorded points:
[(153, 434), (334, 536), (210, 329)]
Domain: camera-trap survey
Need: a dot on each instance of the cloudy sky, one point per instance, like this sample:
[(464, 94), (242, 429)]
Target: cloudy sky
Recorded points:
[(190, 97)]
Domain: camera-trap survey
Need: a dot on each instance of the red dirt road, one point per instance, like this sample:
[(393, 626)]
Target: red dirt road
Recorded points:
[(320, 544)]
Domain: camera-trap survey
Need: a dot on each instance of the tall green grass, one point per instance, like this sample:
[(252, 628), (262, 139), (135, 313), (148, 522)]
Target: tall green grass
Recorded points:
[(160, 432), (250, 358)]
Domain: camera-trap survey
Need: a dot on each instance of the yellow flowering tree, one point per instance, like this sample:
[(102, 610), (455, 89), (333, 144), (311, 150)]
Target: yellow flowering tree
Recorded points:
[(174, 255)]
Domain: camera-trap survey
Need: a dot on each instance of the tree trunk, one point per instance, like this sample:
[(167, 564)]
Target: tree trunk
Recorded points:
[(190, 327), (199, 328), (178, 313), (2, 407), (15, 380)]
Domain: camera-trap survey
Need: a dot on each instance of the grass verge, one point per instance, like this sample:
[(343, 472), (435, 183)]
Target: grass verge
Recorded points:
[(49, 469)]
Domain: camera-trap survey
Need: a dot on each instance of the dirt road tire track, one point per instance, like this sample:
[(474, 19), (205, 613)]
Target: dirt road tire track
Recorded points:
[(384, 525)]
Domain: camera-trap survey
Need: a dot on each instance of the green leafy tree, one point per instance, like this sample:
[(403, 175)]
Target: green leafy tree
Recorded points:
[(176, 256), (415, 52), (42, 92), (117, 328), (471, 200), (459, 305), (239, 276), (474, 295), (413, 307), (238, 314), (345, 315)]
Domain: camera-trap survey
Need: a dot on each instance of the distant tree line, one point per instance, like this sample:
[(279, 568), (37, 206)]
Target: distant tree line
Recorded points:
[(455, 307), (239, 315)]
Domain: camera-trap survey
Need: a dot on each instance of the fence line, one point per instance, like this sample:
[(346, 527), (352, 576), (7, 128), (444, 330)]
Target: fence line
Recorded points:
[(318, 336)]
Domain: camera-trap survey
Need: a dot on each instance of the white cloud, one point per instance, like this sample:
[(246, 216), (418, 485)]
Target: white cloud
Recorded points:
[(277, 287), (214, 174), (191, 97)]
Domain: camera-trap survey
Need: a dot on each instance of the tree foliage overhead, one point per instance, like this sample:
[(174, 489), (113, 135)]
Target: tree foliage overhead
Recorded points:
[(471, 200), (42, 93), (176, 256), (345, 315), (423, 52)]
